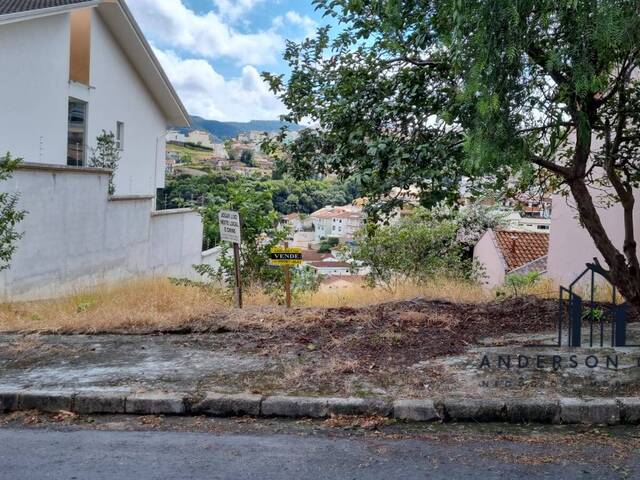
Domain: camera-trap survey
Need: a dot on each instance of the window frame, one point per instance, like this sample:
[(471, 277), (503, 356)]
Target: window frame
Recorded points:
[(120, 135), (82, 162)]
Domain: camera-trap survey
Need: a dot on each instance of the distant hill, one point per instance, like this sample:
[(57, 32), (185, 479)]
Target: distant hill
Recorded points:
[(225, 130)]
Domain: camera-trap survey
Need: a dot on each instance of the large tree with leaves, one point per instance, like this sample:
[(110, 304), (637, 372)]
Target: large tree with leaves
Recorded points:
[(425, 91)]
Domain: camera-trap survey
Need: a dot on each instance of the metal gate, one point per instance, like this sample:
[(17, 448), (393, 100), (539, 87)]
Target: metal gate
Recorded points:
[(606, 321)]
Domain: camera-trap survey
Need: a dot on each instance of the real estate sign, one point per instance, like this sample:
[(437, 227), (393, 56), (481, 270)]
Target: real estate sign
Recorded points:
[(229, 226), (286, 256)]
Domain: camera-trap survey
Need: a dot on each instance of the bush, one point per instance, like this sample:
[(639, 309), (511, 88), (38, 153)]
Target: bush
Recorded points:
[(426, 244), (10, 216)]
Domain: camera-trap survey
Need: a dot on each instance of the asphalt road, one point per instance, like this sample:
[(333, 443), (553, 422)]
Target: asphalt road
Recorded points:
[(71, 452)]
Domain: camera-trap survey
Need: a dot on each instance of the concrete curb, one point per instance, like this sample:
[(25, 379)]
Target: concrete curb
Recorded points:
[(590, 411)]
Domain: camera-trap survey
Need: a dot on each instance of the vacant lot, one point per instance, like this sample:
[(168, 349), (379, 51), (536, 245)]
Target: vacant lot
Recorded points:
[(159, 336)]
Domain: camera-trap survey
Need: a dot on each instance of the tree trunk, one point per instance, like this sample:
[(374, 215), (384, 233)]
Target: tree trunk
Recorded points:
[(622, 275)]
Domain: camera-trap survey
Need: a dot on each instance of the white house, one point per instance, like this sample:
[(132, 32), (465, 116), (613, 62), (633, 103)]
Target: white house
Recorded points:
[(200, 137), (71, 69), (337, 222)]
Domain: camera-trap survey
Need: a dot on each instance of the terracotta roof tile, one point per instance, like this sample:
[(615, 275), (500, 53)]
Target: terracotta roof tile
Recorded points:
[(520, 248), (313, 256)]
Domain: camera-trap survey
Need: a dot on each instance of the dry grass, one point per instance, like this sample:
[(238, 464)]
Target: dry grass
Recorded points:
[(159, 304), (452, 290), (155, 303), (359, 295)]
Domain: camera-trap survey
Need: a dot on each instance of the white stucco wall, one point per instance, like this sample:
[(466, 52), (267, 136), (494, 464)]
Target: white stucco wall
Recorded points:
[(486, 253), (35, 91), (34, 84), (75, 237), (571, 247), (118, 94)]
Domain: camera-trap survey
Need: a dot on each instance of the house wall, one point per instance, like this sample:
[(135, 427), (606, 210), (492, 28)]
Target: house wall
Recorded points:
[(486, 253), (75, 237), (34, 80), (571, 247), (35, 93), (333, 270), (118, 94)]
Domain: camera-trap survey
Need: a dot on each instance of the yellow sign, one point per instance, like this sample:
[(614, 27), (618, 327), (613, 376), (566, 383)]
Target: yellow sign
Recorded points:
[(286, 256)]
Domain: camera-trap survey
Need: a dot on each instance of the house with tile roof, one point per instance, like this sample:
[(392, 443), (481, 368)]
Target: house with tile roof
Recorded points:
[(337, 222), (505, 252), (72, 69)]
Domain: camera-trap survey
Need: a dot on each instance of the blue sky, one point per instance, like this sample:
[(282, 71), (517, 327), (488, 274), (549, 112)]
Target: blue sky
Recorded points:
[(214, 50)]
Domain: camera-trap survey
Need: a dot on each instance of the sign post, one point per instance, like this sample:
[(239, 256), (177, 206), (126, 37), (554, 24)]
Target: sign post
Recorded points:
[(230, 231), (286, 257), (287, 281)]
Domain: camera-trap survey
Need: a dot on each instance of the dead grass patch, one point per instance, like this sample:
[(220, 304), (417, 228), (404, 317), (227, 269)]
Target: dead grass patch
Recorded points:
[(154, 303), (158, 305)]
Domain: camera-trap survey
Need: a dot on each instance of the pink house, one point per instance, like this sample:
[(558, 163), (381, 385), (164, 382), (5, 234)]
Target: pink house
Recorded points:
[(571, 247), (505, 252)]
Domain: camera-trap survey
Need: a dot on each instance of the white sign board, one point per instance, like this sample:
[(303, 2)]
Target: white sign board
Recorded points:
[(229, 226)]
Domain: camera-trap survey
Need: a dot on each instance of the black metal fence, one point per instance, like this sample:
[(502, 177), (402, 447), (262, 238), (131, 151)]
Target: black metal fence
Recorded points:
[(606, 321)]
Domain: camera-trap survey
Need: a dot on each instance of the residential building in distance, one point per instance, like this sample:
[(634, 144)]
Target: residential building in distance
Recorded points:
[(195, 137), (200, 137), (177, 136), (337, 222), (85, 67), (517, 221), (302, 239), (332, 268), (506, 252)]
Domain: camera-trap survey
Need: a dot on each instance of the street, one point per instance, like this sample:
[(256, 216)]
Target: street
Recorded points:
[(158, 448)]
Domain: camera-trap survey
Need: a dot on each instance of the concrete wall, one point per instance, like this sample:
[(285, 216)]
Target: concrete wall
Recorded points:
[(487, 254), (75, 237), (34, 85), (571, 247)]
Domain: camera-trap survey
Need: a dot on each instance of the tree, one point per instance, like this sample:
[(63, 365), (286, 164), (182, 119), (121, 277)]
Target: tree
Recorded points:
[(246, 157), (427, 243), (422, 92), (259, 232), (228, 146), (106, 155), (10, 216)]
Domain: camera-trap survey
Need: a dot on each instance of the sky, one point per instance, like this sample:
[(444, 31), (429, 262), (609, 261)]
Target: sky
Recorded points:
[(214, 50)]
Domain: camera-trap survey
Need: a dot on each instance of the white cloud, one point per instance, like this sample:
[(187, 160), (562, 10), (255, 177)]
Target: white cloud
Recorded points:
[(303, 22), (234, 9), (171, 23), (208, 94)]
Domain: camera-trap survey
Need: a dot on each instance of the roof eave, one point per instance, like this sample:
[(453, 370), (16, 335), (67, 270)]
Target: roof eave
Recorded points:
[(179, 116), (45, 12), (174, 111)]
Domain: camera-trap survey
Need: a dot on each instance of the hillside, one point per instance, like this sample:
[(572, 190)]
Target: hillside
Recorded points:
[(224, 130)]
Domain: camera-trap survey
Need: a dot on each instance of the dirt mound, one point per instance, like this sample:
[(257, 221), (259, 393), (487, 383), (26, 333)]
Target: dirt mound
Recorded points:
[(406, 332)]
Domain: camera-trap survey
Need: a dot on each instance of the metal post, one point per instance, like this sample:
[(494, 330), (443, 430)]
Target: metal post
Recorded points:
[(236, 260), (591, 310), (576, 320), (287, 281), (620, 318)]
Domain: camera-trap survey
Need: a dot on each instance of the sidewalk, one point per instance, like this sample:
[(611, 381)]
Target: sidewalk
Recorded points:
[(231, 374)]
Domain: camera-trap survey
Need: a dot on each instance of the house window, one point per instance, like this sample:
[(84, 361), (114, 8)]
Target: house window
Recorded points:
[(120, 135), (76, 134)]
